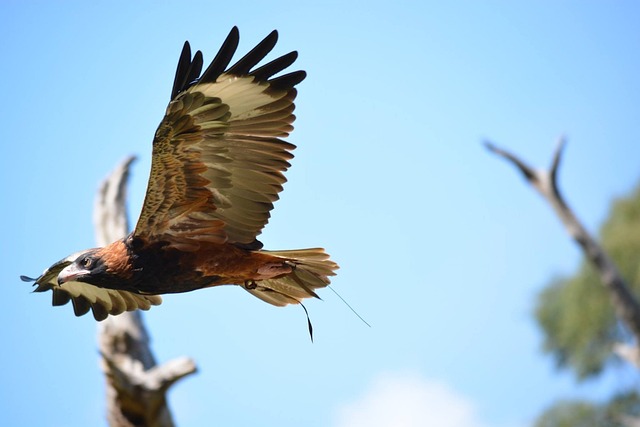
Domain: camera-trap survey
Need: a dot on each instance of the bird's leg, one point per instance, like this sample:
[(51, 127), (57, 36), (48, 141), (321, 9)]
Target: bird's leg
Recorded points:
[(250, 284), (274, 269)]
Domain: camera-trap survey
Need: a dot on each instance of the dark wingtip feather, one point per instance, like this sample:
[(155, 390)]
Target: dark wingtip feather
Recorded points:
[(266, 71), (288, 80), (27, 279), (255, 55), (223, 57), (184, 64), (194, 70), (187, 72)]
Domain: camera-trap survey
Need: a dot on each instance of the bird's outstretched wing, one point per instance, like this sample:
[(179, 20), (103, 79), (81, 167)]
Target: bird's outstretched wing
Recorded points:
[(85, 297), (218, 159)]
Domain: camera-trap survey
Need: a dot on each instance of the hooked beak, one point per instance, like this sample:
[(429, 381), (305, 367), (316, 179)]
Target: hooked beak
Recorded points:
[(69, 273)]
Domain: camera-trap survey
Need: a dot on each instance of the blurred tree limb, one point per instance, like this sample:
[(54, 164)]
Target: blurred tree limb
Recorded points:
[(136, 385), (624, 302)]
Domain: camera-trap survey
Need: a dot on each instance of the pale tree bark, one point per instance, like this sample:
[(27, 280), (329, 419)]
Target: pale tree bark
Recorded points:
[(136, 386), (629, 421), (625, 304)]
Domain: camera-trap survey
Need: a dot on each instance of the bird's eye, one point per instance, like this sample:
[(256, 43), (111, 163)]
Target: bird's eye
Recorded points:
[(85, 262)]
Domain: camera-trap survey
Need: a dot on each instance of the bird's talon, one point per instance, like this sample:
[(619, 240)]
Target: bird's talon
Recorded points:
[(250, 284)]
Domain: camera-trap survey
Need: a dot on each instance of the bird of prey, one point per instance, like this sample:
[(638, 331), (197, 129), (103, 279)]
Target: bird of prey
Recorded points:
[(217, 168)]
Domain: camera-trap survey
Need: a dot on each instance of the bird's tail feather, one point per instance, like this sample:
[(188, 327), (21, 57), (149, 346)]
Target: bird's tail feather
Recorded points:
[(311, 269)]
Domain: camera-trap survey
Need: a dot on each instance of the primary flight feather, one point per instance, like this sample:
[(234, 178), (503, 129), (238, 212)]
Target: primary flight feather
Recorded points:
[(217, 167)]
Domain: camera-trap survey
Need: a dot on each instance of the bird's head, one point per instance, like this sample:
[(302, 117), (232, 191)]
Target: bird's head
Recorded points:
[(107, 267), (87, 267)]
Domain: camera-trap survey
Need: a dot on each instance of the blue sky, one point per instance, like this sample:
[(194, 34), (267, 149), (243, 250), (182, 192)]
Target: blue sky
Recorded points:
[(442, 247)]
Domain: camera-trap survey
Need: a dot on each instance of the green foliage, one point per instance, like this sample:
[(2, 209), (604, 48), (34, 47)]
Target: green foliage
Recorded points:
[(585, 414), (576, 314), (570, 414)]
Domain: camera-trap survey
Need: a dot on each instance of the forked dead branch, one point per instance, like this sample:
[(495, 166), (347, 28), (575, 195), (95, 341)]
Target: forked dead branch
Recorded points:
[(136, 386), (625, 304)]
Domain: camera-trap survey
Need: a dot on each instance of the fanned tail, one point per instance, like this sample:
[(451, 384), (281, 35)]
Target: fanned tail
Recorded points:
[(311, 269)]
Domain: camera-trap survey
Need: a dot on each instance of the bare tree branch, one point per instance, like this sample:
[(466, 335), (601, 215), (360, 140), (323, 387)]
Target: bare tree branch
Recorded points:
[(624, 302), (136, 386)]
